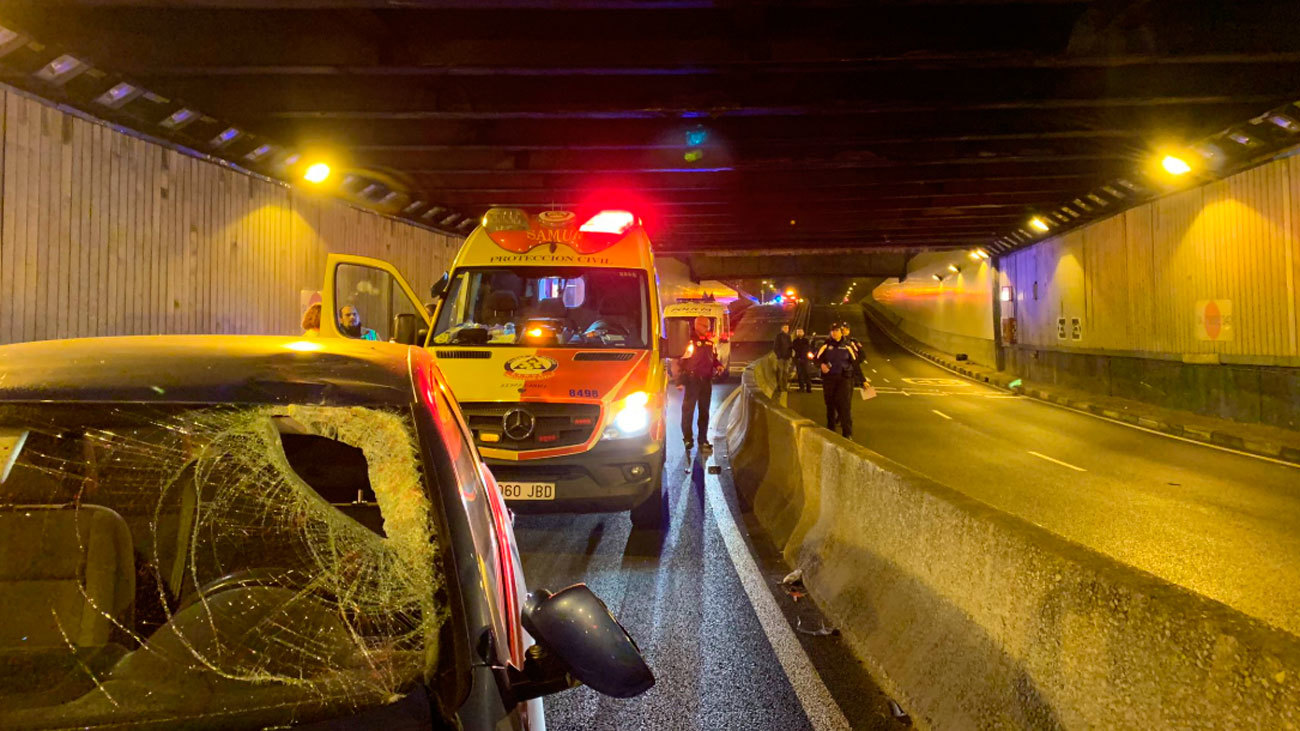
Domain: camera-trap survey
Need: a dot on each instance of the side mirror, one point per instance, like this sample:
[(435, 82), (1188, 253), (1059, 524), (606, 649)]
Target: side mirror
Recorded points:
[(578, 640), (406, 327), (678, 335), (439, 287)]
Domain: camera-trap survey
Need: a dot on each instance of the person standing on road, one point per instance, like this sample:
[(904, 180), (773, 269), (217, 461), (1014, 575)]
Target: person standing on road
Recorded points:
[(859, 378), (801, 355), (697, 367), (838, 366), (782, 349)]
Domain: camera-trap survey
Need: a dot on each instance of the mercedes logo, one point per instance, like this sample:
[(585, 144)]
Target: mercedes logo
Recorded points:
[(518, 424)]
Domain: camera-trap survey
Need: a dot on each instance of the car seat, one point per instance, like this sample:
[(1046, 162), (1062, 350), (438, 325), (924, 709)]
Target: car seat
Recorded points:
[(66, 575), (499, 307)]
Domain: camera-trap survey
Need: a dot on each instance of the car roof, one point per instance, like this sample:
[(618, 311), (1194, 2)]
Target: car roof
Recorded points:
[(207, 369)]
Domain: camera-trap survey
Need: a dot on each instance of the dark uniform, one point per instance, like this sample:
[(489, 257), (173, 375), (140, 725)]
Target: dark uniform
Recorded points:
[(698, 367), (837, 383), (802, 348)]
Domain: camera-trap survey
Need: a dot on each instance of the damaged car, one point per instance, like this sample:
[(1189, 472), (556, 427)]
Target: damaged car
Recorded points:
[(250, 532)]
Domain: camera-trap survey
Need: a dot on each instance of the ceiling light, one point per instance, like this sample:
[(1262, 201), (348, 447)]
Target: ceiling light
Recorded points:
[(292, 160), (61, 69), (317, 173), (259, 152), (953, 268), (413, 207), (1285, 122), (1175, 165), (1240, 138), (937, 278), (429, 214), (1098, 199), (180, 118), (228, 135), (974, 256), (118, 95), (1111, 191), (1038, 224)]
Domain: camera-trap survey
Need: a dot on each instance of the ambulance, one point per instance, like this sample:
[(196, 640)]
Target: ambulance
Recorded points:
[(547, 328), (685, 310)]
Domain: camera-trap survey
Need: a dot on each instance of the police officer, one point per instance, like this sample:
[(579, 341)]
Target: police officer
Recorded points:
[(839, 368), (859, 377), (697, 368), (802, 350)]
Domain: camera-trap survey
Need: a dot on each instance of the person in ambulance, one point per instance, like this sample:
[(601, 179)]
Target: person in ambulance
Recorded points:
[(547, 329)]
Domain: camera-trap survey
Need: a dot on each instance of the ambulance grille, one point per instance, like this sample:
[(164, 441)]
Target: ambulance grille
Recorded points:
[(603, 356), (463, 354), (555, 425)]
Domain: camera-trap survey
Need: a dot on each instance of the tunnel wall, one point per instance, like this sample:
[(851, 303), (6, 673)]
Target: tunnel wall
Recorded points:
[(104, 233), (1119, 307), (1138, 282), (973, 618), (954, 315)]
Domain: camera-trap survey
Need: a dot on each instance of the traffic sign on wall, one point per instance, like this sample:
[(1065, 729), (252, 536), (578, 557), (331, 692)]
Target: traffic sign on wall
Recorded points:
[(1214, 320)]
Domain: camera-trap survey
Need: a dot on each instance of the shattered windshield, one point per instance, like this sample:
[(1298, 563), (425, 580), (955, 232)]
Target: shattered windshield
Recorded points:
[(578, 307), (211, 567)]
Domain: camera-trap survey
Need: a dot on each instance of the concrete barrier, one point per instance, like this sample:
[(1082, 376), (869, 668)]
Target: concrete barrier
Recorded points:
[(973, 618)]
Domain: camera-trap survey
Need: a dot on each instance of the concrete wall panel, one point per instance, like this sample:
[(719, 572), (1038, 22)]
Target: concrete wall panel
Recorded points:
[(102, 233), (975, 619)]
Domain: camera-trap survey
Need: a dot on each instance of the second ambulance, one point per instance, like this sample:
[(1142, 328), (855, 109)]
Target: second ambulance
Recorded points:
[(547, 329)]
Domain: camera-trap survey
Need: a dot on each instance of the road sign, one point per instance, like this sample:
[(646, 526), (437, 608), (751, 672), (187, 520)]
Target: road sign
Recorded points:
[(1214, 320)]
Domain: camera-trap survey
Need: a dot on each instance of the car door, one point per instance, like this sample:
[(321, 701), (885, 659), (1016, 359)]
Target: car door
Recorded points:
[(374, 288)]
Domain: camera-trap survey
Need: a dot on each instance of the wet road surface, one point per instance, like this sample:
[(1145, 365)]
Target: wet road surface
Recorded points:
[(721, 659)]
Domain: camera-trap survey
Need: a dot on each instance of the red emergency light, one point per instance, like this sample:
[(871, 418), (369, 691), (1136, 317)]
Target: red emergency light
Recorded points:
[(514, 230), (609, 222)]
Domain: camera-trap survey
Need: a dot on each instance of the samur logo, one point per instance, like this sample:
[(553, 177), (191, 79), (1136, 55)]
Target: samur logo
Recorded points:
[(531, 367)]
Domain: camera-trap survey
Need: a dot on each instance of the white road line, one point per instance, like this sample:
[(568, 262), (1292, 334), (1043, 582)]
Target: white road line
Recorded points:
[(1057, 461), (940, 413), (818, 705), (1167, 435)]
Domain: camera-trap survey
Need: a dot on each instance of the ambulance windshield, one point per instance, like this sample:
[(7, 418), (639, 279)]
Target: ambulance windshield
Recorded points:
[(573, 307)]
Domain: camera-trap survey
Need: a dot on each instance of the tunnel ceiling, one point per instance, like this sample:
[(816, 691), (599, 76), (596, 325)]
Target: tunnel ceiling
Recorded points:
[(930, 123)]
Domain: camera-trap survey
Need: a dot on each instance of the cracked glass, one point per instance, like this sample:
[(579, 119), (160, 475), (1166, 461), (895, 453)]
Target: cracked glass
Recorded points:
[(205, 567)]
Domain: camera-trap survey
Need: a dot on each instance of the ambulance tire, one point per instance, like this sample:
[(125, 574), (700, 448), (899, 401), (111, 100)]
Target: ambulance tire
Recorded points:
[(653, 512)]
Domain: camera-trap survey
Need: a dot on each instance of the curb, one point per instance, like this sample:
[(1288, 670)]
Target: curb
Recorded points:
[(1218, 438)]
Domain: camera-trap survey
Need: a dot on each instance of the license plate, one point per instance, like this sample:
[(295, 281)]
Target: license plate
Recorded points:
[(527, 490)]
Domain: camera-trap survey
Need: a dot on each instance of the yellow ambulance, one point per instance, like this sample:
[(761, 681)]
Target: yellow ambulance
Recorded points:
[(548, 330)]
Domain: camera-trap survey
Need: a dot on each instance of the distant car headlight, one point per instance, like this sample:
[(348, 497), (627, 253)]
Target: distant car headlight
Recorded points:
[(632, 417)]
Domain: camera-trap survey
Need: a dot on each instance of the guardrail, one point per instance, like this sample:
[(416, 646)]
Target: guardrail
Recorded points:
[(971, 617)]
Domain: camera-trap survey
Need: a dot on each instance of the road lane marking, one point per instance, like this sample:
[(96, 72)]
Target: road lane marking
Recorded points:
[(1167, 435), (1057, 461), (940, 413), (818, 705)]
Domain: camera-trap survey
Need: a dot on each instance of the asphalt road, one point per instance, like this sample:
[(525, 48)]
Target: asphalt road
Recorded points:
[(755, 332), (683, 599), (1224, 524)]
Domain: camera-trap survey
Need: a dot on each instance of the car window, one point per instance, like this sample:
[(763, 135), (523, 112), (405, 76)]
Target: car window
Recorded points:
[(368, 301), (577, 307), (241, 566)]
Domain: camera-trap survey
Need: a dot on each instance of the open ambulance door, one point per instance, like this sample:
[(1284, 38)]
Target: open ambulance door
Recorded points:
[(387, 305)]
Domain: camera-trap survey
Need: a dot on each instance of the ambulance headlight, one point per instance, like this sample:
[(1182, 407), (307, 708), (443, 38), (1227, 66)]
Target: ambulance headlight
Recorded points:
[(632, 417)]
